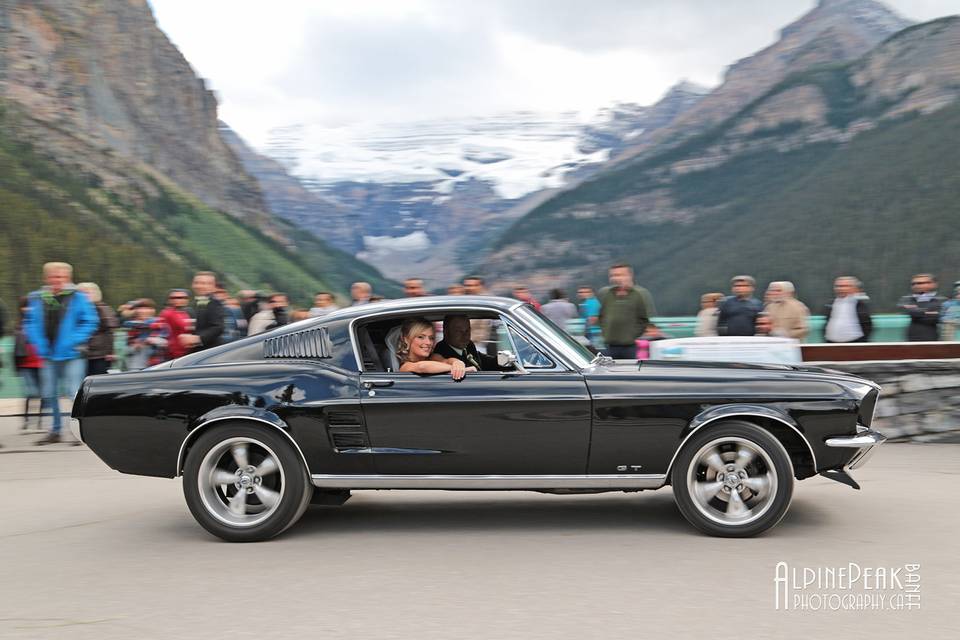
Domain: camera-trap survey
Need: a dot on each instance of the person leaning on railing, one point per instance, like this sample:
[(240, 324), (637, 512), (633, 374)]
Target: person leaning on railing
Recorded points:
[(100, 347), (950, 315), (848, 316), (789, 318), (923, 305)]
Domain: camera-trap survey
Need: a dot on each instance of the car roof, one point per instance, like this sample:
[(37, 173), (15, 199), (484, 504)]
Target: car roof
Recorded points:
[(424, 303)]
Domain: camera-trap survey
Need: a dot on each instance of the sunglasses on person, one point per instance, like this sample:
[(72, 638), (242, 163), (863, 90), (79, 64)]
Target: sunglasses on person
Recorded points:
[(916, 282), (179, 297)]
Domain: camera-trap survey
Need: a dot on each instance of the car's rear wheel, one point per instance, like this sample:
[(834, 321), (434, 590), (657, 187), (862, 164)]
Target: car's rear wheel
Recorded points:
[(245, 483), (734, 480)]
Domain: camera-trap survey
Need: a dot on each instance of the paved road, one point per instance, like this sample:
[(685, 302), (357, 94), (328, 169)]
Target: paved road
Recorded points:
[(86, 552)]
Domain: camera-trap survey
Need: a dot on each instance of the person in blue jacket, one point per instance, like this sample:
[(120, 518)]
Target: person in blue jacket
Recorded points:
[(59, 323)]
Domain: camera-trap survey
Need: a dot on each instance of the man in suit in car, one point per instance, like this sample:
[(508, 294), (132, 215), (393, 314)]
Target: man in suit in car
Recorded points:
[(456, 343)]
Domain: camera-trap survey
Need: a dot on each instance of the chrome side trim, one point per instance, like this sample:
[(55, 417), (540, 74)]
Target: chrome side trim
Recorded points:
[(398, 481), (391, 451), (467, 398), (734, 415), (193, 432), (329, 401), (757, 397)]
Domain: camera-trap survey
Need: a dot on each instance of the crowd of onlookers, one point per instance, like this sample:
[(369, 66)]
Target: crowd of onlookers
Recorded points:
[(65, 332), (932, 316)]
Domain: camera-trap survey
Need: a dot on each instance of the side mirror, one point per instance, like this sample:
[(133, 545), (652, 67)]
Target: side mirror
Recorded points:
[(506, 358), (509, 359)]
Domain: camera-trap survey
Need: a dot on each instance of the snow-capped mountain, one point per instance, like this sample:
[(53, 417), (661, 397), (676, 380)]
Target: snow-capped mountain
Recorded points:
[(451, 185), (517, 153)]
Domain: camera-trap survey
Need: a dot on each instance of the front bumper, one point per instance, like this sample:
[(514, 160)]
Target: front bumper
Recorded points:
[(865, 441)]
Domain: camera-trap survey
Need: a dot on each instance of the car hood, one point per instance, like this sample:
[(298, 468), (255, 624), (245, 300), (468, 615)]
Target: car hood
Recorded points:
[(731, 371)]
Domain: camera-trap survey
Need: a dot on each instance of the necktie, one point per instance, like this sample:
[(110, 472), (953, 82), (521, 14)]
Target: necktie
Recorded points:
[(471, 360)]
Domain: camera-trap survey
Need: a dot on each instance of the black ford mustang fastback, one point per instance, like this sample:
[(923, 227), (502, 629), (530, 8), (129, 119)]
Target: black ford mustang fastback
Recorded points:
[(262, 427)]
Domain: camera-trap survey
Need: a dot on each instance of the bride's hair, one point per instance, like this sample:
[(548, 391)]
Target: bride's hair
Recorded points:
[(408, 330)]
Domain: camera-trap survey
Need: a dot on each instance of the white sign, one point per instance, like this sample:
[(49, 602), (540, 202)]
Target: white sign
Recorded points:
[(749, 349)]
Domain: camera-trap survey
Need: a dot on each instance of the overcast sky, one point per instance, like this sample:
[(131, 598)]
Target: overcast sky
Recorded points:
[(339, 62)]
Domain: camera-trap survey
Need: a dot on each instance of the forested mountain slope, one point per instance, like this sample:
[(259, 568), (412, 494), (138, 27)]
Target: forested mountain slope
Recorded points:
[(839, 169)]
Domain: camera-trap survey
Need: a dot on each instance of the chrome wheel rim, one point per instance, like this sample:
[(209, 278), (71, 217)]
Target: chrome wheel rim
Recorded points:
[(732, 481), (241, 482)]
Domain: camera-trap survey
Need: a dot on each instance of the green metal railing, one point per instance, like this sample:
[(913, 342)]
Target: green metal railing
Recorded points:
[(10, 386), (886, 328)]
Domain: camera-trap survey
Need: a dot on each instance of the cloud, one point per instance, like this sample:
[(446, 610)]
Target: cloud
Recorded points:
[(398, 65), (335, 63), (416, 241), (609, 25)]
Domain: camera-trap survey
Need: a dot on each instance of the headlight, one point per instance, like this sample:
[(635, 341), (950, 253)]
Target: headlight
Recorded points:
[(867, 395)]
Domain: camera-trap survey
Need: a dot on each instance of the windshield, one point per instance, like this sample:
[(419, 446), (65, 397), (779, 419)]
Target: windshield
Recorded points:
[(559, 338)]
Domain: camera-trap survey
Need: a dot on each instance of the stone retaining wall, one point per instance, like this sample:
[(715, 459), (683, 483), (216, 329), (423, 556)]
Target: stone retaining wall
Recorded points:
[(920, 399)]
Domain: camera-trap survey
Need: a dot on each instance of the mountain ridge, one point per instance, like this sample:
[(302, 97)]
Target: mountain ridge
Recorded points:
[(686, 193), (850, 27)]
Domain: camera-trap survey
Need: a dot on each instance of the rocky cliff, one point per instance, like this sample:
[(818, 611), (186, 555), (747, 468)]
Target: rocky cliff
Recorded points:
[(101, 77), (111, 158)]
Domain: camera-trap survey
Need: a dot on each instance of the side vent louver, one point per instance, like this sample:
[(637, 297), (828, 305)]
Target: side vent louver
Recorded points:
[(346, 430), (310, 343), (344, 418), (348, 438)]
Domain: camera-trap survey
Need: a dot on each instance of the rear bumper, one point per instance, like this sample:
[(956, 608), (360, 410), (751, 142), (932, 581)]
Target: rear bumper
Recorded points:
[(865, 442), (75, 429)]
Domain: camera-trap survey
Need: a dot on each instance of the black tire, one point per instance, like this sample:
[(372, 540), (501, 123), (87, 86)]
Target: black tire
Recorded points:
[(273, 500), (752, 497)]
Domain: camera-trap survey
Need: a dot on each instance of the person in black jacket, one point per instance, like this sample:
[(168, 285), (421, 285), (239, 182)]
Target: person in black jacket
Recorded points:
[(208, 314), (923, 306), (738, 313), (100, 347), (848, 316), (456, 344)]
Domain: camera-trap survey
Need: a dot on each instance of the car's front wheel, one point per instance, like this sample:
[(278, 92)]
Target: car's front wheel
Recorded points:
[(245, 483), (734, 479)]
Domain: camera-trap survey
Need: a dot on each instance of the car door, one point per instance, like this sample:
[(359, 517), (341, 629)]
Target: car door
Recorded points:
[(490, 423)]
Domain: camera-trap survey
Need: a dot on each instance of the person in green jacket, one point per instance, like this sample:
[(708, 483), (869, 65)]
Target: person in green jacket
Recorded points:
[(625, 312)]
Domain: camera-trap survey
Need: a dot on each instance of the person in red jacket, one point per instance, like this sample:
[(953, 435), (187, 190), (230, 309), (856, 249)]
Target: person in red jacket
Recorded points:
[(178, 319), (28, 364)]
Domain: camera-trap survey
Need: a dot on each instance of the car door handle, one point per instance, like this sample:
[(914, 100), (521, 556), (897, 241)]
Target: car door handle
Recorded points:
[(370, 384)]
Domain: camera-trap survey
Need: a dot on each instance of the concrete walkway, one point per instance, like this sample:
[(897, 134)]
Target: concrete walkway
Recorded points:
[(15, 439), (89, 553)]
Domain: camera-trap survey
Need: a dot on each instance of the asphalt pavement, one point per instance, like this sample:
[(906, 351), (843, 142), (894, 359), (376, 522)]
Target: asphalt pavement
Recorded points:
[(86, 552)]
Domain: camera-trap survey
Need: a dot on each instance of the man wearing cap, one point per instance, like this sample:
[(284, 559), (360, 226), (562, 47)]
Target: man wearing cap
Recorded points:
[(738, 313)]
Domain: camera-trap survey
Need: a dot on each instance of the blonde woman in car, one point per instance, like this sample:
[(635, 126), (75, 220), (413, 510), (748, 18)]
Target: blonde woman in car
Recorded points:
[(415, 351)]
